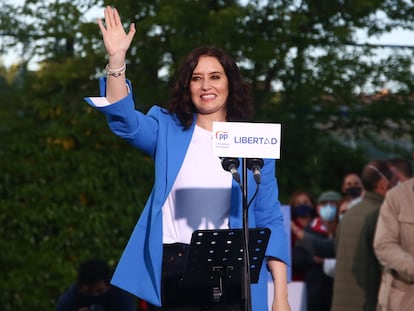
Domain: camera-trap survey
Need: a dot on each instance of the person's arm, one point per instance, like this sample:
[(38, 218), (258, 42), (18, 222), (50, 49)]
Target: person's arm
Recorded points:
[(387, 237), (321, 247), (117, 43), (268, 214), (279, 274)]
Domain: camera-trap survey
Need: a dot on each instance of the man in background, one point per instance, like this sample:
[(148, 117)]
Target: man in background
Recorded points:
[(395, 250), (401, 168), (358, 272)]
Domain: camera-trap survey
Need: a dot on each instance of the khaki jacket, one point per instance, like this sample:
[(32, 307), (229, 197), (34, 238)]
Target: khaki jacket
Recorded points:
[(394, 247)]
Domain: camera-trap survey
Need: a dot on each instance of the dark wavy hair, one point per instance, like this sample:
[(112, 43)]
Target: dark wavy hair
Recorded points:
[(239, 101)]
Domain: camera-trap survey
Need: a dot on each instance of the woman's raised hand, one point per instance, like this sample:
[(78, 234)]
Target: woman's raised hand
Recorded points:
[(116, 40)]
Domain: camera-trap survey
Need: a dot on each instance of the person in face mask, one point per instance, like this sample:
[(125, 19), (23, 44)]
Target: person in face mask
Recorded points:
[(327, 210), (314, 245), (357, 270), (352, 186), (302, 208), (401, 168), (92, 291)]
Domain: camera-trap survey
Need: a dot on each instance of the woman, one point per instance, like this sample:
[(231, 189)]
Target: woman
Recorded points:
[(208, 88), (302, 209), (314, 250)]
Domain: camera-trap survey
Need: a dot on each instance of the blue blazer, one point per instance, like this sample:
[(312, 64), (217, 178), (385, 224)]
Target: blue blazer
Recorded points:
[(160, 135)]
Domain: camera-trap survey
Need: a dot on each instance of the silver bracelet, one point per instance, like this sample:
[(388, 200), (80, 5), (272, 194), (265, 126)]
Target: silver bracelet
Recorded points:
[(115, 72)]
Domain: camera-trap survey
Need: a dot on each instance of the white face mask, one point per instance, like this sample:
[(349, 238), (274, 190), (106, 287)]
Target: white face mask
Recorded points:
[(328, 212)]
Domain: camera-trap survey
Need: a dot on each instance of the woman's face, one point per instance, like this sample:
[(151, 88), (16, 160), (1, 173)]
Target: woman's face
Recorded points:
[(209, 88)]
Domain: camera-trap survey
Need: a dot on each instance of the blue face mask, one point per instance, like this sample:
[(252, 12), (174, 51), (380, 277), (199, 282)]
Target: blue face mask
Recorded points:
[(327, 212), (302, 211)]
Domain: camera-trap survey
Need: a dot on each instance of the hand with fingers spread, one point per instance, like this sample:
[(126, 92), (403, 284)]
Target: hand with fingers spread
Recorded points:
[(116, 40), (117, 43)]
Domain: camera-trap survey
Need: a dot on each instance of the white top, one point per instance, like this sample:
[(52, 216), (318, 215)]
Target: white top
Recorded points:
[(201, 195)]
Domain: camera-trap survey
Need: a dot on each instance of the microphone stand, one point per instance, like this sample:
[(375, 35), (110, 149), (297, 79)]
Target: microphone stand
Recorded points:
[(246, 290), (231, 164)]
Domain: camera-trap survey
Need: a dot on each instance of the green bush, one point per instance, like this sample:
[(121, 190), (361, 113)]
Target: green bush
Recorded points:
[(66, 194)]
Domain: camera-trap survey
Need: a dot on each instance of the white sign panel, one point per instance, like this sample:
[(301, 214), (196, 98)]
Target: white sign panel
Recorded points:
[(246, 140)]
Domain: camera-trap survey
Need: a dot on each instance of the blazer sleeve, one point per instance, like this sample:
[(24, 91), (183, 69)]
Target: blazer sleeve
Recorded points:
[(268, 213), (125, 121)]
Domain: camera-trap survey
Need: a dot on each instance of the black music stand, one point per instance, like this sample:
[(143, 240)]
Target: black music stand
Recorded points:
[(215, 262)]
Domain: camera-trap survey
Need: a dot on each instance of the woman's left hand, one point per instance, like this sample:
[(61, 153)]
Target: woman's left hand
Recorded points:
[(116, 40)]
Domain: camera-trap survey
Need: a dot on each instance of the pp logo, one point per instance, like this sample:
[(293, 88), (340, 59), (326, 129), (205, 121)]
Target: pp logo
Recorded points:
[(221, 135)]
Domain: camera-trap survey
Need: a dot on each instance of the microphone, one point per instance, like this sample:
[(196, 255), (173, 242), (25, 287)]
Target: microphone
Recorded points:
[(255, 165), (231, 165)]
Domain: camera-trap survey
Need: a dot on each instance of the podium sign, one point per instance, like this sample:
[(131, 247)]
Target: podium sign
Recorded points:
[(246, 140)]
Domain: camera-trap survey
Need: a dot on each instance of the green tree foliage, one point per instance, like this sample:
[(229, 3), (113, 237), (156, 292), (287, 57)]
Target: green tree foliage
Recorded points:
[(70, 189)]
